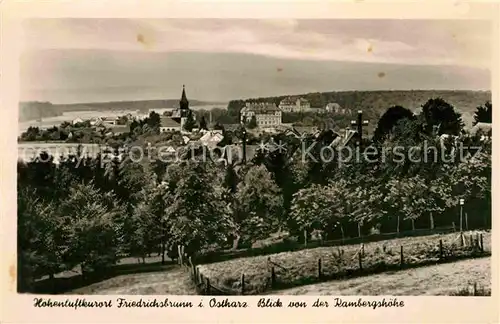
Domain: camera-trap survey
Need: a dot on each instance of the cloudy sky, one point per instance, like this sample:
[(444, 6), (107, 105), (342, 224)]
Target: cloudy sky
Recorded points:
[(75, 59)]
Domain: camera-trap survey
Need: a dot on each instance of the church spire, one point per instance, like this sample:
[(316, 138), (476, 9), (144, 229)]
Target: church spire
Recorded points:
[(184, 103)]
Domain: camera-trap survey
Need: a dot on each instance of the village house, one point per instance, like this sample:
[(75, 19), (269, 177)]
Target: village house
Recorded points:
[(212, 138), (337, 109), (294, 105), (168, 124), (77, 121), (266, 114), (483, 129)]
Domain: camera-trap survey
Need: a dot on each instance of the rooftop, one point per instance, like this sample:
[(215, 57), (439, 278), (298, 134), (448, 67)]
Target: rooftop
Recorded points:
[(169, 122)]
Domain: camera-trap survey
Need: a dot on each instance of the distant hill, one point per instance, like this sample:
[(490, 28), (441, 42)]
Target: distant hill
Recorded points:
[(35, 110), (122, 105), (375, 103)]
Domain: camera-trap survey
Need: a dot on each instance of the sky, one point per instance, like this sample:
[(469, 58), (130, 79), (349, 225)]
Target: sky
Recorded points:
[(79, 60)]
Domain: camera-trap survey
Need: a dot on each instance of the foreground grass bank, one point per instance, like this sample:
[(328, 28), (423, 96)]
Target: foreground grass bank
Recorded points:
[(174, 281), (436, 280), (304, 267)]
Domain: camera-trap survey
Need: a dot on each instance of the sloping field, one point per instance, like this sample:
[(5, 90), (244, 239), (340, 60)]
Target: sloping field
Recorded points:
[(441, 279), (175, 281), (302, 267)]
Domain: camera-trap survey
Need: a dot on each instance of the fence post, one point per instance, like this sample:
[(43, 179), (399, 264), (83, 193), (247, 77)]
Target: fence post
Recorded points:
[(360, 261), (319, 268), (193, 268), (477, 241), (466, 223), (474, 291), (441, 249), (207, 288), (402, 257), (305, 238), (363, 250), (481, 239), (242, 283), (273, 277), (461, 239)]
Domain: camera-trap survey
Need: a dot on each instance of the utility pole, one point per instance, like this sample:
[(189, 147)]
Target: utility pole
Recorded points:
[(461, 212), (244, 145), (359, 123)]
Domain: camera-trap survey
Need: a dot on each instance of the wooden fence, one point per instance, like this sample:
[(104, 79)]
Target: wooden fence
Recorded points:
[(224, 255), (206, 287)]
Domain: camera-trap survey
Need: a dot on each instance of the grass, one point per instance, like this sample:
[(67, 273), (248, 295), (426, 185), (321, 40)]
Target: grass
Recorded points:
[(174, 281), (301, 267), (448, 279)]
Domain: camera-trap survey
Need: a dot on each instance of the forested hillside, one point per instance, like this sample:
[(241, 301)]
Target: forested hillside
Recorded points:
[(375, 103)]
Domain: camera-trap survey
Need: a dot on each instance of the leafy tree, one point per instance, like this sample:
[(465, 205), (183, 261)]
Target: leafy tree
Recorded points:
[(389, 119), (92, 228), (438, 112), (38, 247), (195, 213), (153, 121), (483, 114), (258, 203), (252, 123), (190, 123), (203, 123), (320, 207)]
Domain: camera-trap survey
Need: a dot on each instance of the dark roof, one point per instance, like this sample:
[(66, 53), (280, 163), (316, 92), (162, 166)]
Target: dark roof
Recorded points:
[(169, 122), (183, 96)]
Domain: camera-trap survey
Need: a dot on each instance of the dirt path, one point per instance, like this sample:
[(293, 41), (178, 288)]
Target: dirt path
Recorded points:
[(171, 282), (435, 280)]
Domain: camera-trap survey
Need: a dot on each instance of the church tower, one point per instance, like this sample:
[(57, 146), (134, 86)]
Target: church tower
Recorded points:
[(183, 112), (184, 103)]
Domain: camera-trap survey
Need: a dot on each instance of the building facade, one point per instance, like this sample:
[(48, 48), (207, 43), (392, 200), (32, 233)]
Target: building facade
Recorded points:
[(266, 114), (334, 107), (294, 105)]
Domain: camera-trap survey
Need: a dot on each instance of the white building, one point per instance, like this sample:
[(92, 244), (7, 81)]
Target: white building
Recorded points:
[(212, 138), (168, 124), (337, 109), (294, 105), (266, 114)]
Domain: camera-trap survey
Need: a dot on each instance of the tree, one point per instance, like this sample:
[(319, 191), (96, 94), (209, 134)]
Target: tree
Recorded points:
[(39, 246), (203, 123), (154, 120), (258, 204), (252, 123), (441, 114), (320, 207), (195, 212), (189, 123), (91, 221), (389, 119), (483, 114)]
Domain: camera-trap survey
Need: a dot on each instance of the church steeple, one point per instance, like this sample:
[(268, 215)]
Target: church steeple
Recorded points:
[(184, 103)]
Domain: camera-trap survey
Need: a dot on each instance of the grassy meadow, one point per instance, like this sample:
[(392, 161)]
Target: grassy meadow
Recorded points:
[(301, 267)]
